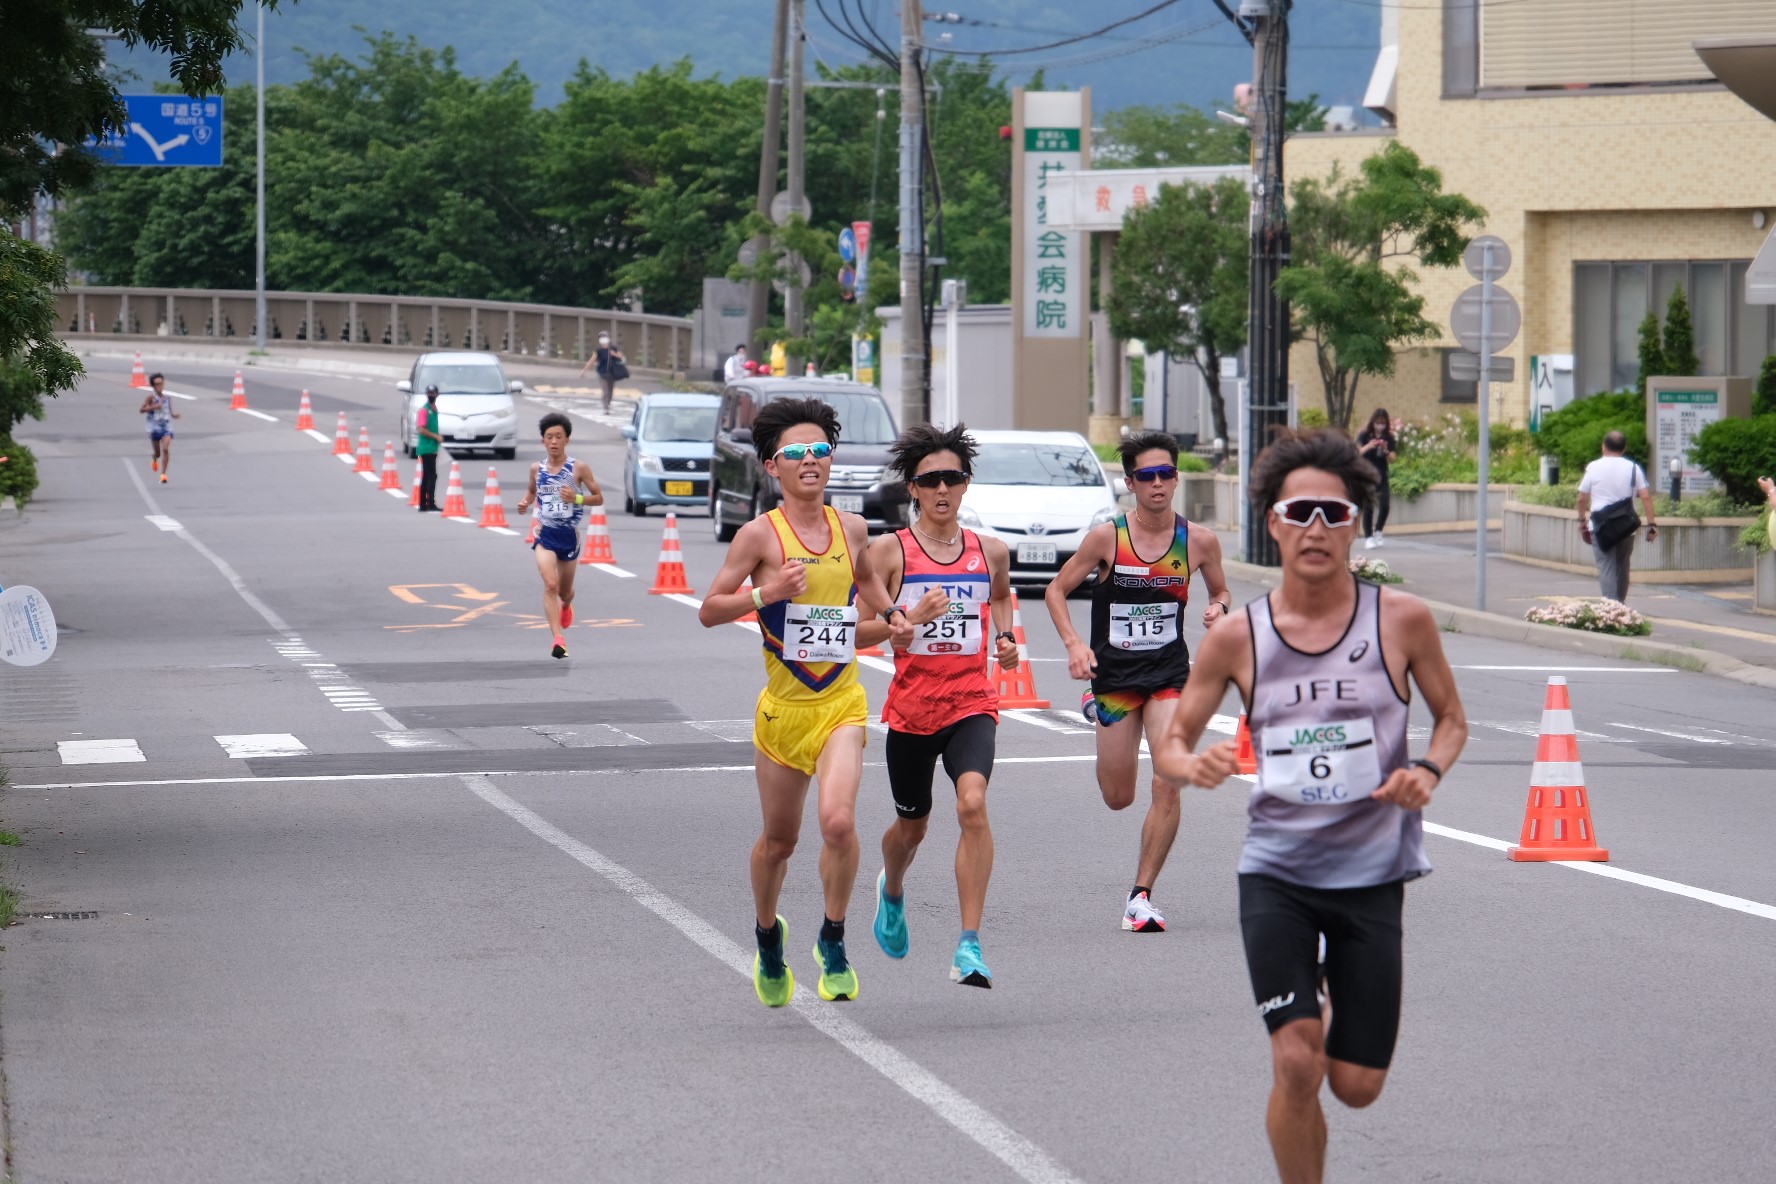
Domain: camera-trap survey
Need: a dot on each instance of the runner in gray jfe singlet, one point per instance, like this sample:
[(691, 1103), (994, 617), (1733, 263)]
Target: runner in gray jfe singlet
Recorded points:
[(1352, 845)]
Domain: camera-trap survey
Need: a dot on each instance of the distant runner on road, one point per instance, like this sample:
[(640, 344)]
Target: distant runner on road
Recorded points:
[(1325, 665), (955, 587), (158, 407), (1137, 659), (817, 598), (556, 485)]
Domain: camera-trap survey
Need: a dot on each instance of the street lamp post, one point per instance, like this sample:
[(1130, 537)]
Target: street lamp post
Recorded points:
[(259, 191)]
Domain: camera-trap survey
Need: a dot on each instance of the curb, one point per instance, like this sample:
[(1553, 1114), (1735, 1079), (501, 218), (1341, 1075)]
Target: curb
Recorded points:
[(1474, 623)]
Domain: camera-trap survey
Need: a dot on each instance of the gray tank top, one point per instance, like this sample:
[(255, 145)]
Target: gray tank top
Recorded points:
[(1328, 728)]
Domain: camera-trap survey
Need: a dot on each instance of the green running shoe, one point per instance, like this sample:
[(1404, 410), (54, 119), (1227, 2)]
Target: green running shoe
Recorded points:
[(968, 969), (772, 978), (891, 930), (837, 979)]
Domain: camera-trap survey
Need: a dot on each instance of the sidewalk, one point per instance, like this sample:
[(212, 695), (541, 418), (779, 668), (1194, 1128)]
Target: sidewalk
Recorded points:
[(1713, 620)]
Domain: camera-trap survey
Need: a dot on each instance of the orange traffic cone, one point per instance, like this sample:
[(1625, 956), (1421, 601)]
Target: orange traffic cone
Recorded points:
[(342, 440), (598, 540), (1017, 688), (365, 463), (1248, 760), (305, 420), (671, 575), (455, 506), (239, 402), (418, 476), (1557, 818), (138, 376), (493, 512), (391, 476), (532, 536)]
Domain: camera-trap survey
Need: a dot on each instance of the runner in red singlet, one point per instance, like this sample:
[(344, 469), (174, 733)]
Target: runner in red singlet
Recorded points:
[(956, 589)]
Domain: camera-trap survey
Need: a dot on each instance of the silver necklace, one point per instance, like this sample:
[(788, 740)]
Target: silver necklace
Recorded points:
[(935, 539)]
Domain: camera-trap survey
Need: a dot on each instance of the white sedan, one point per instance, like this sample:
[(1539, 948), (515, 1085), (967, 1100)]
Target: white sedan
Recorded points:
[(1039, 492)]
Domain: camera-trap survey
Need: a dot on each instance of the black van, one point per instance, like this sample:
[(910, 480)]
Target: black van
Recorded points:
[(740, 489)]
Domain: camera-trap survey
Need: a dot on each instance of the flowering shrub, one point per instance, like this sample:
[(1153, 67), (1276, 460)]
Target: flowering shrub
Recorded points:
[(1446, 450), (1376, 571), (1593, 614)]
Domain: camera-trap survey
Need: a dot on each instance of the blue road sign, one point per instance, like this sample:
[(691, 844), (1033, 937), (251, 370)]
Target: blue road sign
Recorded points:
[(848, 245), (167, 131)]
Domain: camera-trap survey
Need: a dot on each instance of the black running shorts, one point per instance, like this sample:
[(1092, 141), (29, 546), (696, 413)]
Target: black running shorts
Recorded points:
[(966, 747), (1282, 922)]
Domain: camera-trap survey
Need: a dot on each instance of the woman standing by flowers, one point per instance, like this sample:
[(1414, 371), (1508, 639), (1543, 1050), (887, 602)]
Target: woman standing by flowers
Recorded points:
[(1377, 445)]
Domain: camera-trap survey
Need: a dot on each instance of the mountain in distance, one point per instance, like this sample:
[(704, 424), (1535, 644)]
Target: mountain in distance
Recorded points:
[(1187, 52)]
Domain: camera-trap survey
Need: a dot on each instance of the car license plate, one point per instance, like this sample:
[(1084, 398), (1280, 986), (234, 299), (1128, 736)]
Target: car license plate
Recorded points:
[(848, 503), (465, 435), (679, 488), (1036, 552)]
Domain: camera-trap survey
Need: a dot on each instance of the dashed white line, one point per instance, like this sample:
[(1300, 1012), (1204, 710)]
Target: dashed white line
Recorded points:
[(261, 744), (163, 522), (321, 436), (99, 752), (609, 568), (257, 414)]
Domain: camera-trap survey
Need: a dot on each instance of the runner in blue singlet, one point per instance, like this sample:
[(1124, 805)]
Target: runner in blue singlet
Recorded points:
[(158, 407), (555, 488)]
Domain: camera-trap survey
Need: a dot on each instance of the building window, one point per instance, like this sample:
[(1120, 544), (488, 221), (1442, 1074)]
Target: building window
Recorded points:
[(1562, 44), (1611, 299), (1456, 390), (1461, 48)]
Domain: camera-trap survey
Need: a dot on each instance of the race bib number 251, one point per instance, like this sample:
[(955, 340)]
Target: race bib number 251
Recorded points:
[(1320, 764)]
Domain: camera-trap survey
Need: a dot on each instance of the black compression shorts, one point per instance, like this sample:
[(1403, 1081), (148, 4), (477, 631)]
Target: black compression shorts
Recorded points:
[(966, 747), (1281, 923)]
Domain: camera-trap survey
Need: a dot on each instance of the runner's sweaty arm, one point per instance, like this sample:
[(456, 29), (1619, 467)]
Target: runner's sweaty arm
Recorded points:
[(1410, 632), (1095, 554)]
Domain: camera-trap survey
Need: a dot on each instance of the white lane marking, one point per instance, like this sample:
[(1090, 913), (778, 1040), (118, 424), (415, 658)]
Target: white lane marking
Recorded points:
[(162, 521), (1675, 735), (400, 493), (323, 437), (417, 738), (613, 570), (262, 744), (182, 395), (257, 414), (683, 599), (735, 731), (871, 661), (99, 752), (1026, 1159), (1035, 718), (373, 478), (228, 573), (490, 529), (1534, 730), (1721, 899), (350, 458), (1581, 669)]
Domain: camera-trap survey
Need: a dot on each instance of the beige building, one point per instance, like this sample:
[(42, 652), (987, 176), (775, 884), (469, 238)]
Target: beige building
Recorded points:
[(1606, 156)]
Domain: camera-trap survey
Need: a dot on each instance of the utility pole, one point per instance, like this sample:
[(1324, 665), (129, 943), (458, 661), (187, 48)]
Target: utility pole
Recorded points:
[(1267, 404), (759, 303), (915, 404), (792, 290), (259, 191)]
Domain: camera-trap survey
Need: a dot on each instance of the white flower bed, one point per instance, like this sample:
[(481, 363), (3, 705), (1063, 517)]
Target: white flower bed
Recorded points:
[(1593, 614), (1376, 571)]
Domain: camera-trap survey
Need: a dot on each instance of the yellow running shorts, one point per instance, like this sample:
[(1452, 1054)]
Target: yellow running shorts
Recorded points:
[(794, 734)]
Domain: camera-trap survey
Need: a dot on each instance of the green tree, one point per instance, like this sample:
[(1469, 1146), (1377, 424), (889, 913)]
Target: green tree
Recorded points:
[(1181, 277), (1763, 399), (1652, 353), (1680, 336), (1349, 286), (1179, 135)]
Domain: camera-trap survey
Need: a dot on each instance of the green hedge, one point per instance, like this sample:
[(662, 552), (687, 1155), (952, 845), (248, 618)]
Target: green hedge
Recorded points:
[(1738, 452), (1575, 433), (18, 476)]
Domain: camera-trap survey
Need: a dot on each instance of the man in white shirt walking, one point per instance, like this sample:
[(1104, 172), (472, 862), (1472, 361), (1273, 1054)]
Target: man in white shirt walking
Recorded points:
[(736, 364), (1606, 496)]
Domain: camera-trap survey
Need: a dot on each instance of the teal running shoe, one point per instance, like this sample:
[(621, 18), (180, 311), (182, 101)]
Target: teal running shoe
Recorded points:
[(968, 969), (837, 979), (772, 979), (891, 930)]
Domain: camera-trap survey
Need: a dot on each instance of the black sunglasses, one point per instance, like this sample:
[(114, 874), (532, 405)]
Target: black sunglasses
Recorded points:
[(936, 477), (1154, 473)]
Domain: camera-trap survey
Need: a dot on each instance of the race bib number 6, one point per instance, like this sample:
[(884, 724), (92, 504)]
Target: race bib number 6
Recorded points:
[(1320, 764), (819, 632), (1139, 627)]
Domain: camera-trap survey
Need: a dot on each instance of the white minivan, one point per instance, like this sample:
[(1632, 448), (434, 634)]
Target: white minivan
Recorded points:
[(475, 407)]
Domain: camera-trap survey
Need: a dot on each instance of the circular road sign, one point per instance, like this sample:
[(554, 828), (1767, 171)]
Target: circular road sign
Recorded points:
[(848, 245), (1475, 257), (781, 209), (27, 626), (1464, 319)]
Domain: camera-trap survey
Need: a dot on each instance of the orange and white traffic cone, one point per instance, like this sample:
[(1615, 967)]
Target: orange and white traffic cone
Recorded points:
[(365, 463), (418, 476), (532, 536), (598, 540), (670, 577), (138, 376), (342, 440), (1557, 818), (455, 505), (493, 511), (1017, 688), (1248, 759), (391, 476), (239, 402), (305, 420)]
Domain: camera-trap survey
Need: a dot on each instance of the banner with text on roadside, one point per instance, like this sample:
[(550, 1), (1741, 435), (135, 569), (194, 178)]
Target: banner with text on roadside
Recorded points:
[(1054, 259)]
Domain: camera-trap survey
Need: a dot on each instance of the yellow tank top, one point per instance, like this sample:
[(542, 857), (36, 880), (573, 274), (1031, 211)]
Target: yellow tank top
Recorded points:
[(789, 627)]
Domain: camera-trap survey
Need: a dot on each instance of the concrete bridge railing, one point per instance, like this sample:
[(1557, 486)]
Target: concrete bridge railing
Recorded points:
[(648, 341)]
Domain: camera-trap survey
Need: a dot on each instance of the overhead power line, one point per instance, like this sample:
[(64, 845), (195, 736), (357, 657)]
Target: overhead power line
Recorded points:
[(1073, 40)]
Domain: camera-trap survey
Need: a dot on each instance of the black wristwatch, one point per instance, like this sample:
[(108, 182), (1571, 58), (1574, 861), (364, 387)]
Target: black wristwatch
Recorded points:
[(1225, 607), (1005, 634), (891, 612), (1421, 763)]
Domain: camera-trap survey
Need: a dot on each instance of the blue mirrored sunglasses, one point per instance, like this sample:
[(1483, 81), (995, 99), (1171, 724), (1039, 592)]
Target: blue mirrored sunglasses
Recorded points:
[(819, 451)]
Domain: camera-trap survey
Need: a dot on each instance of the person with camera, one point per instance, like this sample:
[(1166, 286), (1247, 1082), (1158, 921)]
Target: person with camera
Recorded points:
[(1606, 513)]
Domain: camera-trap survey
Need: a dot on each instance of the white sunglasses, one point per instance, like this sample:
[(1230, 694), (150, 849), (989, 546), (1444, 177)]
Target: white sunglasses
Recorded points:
[(1301, 511)]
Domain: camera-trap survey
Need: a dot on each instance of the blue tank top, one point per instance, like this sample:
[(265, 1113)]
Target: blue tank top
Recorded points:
[(552, 510), (160, 412), (1328, 728)]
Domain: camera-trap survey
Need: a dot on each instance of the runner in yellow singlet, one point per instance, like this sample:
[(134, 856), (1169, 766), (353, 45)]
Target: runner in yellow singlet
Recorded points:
[(818, 600)]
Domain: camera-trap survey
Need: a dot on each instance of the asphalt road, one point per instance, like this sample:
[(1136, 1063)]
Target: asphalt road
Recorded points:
[(456, 911)]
